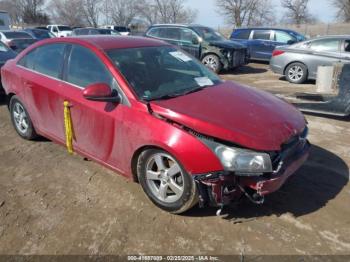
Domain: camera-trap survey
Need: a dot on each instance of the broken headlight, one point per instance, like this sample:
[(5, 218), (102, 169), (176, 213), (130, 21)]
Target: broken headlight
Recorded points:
[(242, 161)]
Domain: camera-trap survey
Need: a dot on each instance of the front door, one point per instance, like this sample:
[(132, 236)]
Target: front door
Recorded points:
[(95, 124), (189, 42)]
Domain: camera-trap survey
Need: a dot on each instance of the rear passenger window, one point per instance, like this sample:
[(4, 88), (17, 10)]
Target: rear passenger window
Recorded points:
[(326, 45), (28, 60), (262, 35), (85, 68), (47, 60), (173, 33), (242, 34)]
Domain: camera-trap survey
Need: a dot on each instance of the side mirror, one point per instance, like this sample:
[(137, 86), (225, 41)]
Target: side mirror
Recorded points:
[(101, 92), (195, 40), (291, 42)]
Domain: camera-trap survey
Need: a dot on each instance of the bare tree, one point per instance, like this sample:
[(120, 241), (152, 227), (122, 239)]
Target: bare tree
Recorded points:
[(297, 11), (343, 7), (14, 9), (148, 10), (91, 10), (174, 11), (247, 12), (67, 12), (122, 12)]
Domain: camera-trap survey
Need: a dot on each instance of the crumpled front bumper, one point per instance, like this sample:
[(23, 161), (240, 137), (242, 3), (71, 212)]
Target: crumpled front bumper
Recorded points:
[(223, 188)]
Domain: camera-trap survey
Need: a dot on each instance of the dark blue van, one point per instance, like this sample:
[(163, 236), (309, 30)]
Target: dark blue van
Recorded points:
[(262, 41)]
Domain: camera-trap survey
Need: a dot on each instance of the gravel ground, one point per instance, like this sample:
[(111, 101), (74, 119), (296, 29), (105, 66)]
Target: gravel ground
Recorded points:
[(54, 203)]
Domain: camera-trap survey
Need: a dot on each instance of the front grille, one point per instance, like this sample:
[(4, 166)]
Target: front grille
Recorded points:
[(289, 149)]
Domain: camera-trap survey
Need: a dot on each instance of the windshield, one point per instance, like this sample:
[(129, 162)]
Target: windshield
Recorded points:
[(16, 35), (161, 72), (209, 34), (108, 32), (41, 34), (64, 28)]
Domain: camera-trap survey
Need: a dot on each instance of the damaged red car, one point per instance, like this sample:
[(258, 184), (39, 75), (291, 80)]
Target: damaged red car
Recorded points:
[(155, 114)]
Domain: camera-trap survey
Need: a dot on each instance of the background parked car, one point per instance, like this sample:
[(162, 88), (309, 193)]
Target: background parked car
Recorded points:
[(121, 29), (4, 20), (17, 40), (262, 41), (6, 53), (215, 51), (60, 30), (94, 31), (299, 62), (39, 34)]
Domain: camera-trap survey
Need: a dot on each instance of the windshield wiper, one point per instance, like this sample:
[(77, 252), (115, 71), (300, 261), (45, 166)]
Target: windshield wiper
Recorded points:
[(170, 96)]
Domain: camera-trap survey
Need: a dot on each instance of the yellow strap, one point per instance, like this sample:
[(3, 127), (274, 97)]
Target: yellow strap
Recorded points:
[(68, 127)]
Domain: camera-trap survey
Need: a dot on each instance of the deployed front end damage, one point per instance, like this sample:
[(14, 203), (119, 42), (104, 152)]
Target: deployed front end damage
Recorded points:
[(219, 189)]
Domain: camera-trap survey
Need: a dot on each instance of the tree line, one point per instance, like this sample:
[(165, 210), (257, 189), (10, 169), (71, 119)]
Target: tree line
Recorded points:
[(123, 12), (262, 12), (97, 12)]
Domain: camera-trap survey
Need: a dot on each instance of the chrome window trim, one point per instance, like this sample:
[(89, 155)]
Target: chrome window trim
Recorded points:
[(124, 99)]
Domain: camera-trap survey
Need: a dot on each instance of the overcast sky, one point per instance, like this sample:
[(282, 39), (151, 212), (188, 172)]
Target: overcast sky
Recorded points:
[(208, 16)]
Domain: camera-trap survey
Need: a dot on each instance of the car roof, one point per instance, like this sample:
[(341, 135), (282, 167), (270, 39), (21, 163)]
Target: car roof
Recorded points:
[(264, 28), (178, 25), (330, 36), (111, 42)]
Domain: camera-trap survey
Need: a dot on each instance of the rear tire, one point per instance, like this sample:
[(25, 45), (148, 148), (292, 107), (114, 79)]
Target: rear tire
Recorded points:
[(212, 62), (165, 181), (21, 119), (296, 73)]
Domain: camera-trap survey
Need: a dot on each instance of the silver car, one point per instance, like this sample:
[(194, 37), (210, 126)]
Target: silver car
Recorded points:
[(299, 62)]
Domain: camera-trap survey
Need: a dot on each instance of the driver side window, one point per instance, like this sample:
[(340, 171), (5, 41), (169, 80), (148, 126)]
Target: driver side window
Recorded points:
[(85, 68)]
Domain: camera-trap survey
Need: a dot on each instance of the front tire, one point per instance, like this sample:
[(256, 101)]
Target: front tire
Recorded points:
[(21, 119), (165, 181), (296, 73), (212, 62)]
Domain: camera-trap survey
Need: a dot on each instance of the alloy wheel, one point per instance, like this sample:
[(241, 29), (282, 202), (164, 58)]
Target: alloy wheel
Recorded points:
[(20, 118), (211, 62), (296, 73), (164, 178)]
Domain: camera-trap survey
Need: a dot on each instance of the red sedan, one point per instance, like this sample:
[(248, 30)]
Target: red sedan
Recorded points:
[(155, 114)]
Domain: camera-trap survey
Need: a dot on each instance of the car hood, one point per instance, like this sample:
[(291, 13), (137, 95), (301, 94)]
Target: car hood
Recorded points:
[(227, 44), (242, 115)]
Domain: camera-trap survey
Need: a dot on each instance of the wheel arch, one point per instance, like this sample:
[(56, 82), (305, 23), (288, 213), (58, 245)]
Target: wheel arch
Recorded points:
[(136, 156), (294, 62)]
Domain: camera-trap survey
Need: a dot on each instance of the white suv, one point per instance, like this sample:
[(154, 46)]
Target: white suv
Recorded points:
[(121, 29), (60, 30)]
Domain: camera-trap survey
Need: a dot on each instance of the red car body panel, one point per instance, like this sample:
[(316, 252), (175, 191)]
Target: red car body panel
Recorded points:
[(248, 117), (113, 134)]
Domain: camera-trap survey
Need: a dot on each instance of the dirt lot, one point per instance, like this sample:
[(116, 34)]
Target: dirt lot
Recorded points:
[(53, 203)]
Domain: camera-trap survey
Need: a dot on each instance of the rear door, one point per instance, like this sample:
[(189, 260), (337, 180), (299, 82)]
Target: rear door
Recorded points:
[(262, 45), (323, 52), (41, 73)]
